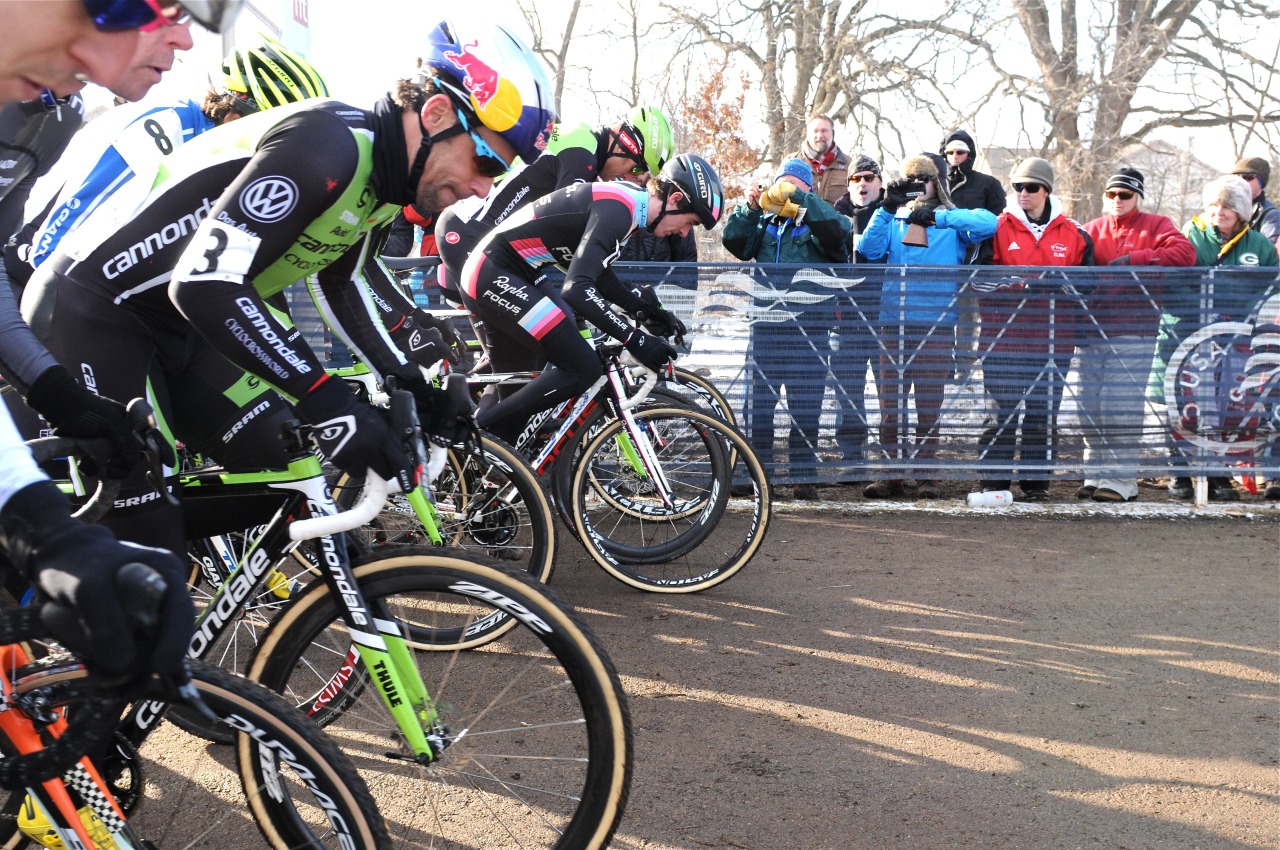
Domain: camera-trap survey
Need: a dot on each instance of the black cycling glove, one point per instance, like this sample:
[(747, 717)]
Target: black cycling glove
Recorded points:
[(422, 345), (355, 436), (445, 416), (658, 320), (652, 352), (75, 567), (73, 411)]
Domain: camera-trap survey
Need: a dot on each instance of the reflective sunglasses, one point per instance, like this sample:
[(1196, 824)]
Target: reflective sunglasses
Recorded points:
[(1112, 194), (125, 15), (1029, 188), (953, 153), (488, 163), (863, 178), (1247, 175)]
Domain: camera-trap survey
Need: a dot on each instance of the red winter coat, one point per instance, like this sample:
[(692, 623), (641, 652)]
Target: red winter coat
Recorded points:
[(1019, 319), (1122, 305)]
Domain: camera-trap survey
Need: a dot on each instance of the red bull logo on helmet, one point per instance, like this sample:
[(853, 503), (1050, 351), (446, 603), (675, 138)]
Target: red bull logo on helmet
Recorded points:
[(494, 98)]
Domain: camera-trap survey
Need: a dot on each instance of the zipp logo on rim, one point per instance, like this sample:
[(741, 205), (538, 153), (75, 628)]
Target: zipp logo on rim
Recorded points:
[(269, 199)]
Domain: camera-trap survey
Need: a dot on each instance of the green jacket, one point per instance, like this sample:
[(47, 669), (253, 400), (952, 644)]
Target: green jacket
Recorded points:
[(1230, 296), (819, 235)]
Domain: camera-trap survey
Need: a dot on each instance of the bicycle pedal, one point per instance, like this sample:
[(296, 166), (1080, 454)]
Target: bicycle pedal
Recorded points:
[(280, 585)]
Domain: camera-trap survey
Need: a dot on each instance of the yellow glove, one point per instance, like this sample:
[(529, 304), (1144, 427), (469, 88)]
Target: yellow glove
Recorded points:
[(777, 199)]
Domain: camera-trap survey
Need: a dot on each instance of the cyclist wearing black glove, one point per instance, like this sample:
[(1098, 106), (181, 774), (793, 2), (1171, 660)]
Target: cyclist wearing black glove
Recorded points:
[(577, 229), (295, 193), (656, 318), (75, 567)]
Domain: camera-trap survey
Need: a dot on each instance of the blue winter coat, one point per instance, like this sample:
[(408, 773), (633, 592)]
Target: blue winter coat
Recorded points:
[(923, 299)]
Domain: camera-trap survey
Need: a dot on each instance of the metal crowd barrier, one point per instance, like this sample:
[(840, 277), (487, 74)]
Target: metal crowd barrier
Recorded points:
[(849, 373)]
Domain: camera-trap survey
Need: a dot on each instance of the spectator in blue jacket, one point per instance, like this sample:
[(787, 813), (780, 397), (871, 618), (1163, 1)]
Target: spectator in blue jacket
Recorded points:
[(918, 312)]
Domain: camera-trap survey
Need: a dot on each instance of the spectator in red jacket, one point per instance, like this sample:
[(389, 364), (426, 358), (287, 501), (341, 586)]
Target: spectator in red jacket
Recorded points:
[(1123, 314), (1027, 328)]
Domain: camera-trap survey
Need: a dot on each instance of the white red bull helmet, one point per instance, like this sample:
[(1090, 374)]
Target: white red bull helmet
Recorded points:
[(487, 68)]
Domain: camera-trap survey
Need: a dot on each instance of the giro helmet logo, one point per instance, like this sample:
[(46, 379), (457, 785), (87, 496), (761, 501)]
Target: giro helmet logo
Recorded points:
[(269, 199)]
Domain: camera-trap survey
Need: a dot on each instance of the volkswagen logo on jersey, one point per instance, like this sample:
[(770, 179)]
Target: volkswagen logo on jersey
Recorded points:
[(269, 199)]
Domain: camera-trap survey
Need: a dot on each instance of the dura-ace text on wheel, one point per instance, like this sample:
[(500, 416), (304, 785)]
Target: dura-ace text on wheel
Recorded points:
[(538, 733)]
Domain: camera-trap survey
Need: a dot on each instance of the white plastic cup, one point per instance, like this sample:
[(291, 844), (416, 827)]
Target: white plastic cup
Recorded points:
[(994, 499)]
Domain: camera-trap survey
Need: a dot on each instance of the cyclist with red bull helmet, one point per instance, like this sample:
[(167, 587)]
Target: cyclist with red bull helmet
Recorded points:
[(632, 149), (578, 229), (166, 296)]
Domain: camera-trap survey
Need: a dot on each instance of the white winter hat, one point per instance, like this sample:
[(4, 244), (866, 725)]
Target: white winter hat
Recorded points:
[(1230, 192)]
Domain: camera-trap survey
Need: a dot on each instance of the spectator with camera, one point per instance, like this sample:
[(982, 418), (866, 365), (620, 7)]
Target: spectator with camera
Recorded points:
[(918, 225), (829, 164), (788, 223), (1027, 329), (1117, 343)]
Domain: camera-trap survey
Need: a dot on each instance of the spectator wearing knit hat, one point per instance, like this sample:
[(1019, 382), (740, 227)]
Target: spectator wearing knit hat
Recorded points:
[(1118, 334), (1265, 217), (918, 312), (1222, 236), (789, 223), (1027, 337), (853, 340), (830, 164)]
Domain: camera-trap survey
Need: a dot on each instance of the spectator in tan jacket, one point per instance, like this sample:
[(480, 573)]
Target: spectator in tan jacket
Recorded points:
[(830, 164)]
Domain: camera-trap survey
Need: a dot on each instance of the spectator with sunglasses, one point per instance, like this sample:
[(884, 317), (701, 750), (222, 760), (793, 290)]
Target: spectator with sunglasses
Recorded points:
[(853, 341), (1265, 219), (1119, 333), (1026, 337)]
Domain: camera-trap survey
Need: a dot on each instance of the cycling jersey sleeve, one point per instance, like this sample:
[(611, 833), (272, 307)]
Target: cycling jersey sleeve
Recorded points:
[(297, 172), (590, 285), (348, 306), (22, 357)]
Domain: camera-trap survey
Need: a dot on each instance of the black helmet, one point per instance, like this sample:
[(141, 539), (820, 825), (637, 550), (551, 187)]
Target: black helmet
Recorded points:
[(699, 183)]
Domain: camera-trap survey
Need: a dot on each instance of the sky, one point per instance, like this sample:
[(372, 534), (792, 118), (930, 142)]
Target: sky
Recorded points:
[(362, 46)]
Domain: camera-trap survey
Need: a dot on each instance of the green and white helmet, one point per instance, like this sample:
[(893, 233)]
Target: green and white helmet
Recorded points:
[(645, 134)]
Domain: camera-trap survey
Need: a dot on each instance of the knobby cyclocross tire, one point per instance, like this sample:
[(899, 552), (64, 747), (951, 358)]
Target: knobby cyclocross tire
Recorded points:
[(302, 790), (540, 752), (637, 538)]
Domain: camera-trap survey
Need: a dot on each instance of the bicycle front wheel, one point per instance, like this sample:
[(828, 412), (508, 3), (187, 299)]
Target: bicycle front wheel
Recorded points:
[(669, 546), (539, 734), (301, 790)]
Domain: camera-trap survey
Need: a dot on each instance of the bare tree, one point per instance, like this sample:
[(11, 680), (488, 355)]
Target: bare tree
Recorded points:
[(808, 56), (1109, 73)]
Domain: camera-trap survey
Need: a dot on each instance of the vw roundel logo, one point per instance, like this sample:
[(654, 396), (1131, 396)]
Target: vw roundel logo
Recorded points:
[(269, 199)]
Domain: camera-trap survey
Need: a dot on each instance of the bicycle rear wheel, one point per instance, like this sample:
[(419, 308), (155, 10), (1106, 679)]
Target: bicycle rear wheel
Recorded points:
[(539, 730), (646, 543)]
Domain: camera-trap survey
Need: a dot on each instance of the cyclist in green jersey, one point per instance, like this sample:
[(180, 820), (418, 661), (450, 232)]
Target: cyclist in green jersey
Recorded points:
[(162, 291)]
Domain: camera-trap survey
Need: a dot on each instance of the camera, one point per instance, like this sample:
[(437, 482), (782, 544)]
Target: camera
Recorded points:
[(913, 190)]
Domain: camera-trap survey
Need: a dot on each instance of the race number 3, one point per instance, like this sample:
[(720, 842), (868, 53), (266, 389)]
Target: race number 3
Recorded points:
[(218, 252)]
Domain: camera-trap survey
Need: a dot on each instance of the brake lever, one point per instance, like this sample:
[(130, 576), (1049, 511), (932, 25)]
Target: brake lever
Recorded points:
[(154, 446)]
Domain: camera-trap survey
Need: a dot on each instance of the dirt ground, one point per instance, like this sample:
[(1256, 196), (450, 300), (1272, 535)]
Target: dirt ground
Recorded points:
[(950, 679)]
